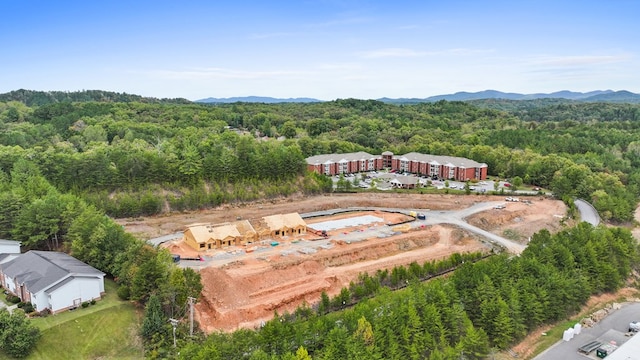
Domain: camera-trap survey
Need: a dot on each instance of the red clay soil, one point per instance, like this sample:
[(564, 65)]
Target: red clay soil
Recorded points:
[(248, 291)]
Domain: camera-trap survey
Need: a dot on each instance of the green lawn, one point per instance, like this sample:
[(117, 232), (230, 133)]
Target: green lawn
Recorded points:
[(109, 300), (106, 330)]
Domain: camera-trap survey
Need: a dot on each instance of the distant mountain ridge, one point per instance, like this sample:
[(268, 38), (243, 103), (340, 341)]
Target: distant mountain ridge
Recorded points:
[(255, 99), (591, 96), (38, 98)]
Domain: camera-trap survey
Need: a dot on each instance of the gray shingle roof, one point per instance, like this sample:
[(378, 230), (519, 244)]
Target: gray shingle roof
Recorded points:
[(444, 160), (41, 269), (336, 158), (412, 156)]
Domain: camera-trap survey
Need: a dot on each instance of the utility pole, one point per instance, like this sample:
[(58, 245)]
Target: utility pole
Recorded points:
[(174, 323), (192, 300)]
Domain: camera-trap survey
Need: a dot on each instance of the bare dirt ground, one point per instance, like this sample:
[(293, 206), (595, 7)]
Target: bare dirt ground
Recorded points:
[(246, 292)]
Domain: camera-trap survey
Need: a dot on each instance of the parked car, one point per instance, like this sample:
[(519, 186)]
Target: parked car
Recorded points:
[(499, 207)]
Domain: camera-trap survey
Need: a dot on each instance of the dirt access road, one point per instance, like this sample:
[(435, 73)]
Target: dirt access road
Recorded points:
[(245, 292)]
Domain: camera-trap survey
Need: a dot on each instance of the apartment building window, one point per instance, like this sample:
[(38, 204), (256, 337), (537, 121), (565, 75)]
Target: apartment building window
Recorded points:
[(434, 170), (404, 165)]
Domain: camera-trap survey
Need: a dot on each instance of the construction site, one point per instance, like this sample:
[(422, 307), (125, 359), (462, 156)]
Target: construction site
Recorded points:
[(248, 276)]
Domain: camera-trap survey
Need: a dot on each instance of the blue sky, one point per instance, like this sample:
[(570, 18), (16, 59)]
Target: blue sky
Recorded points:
[(324, 49)]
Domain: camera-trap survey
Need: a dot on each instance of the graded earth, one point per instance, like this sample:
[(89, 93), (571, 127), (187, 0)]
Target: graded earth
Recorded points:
[(243, 287)]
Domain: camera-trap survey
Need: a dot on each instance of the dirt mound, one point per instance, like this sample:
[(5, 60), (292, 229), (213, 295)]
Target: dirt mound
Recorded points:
[(521, 220)]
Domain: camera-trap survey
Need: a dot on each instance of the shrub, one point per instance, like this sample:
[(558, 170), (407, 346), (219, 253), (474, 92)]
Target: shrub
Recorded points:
[(85, 304), (124, 292), (13, 299), (28, 308), (93, 301)]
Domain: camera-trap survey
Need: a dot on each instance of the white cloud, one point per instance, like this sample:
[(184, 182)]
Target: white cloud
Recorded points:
[(343, 21), (262, 36), (578, 60), (220, 73), (392, 52), (406, 53)]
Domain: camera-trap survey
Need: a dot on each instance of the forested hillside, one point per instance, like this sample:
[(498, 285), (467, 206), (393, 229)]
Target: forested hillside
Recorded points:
[(64, 165), (38, 98), (132, 158)]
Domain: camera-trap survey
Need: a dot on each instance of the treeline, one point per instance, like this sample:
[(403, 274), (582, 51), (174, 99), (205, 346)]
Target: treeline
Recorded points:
[(41, 217), (118, 153), (489, 304), (556, 110), (37, 98)]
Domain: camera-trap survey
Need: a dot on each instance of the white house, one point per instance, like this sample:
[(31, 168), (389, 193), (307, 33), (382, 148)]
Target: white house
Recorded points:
[(9, 247), (51, 280)]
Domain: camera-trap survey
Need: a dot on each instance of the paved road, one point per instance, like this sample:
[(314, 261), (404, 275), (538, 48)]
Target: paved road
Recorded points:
[(617, 320), (587, 212), (458, 218)]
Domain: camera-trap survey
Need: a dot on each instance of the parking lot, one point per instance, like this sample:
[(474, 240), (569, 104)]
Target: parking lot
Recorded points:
[(618, 321), (383, 180)]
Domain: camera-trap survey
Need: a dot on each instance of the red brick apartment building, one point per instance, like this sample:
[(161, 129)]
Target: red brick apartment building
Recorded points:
[(444, 167)]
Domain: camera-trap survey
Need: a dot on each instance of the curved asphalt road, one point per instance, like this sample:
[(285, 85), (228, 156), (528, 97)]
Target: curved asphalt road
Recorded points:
[(458, 218), (587, 212)]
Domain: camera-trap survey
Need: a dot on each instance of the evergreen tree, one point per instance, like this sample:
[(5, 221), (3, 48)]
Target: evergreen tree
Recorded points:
[(154, 321)]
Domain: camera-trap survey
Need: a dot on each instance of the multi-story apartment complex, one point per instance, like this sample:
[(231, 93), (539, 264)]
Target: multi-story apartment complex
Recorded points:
[(434, 166)]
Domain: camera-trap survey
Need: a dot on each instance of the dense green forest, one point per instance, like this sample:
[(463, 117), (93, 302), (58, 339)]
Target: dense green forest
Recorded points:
[(133, 158), (69, 162)]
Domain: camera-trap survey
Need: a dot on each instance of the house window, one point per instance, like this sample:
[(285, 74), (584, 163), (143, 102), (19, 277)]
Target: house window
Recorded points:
[(326, 169)]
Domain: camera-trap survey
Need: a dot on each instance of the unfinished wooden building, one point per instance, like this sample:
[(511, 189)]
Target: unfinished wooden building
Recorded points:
[(216, 236)]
